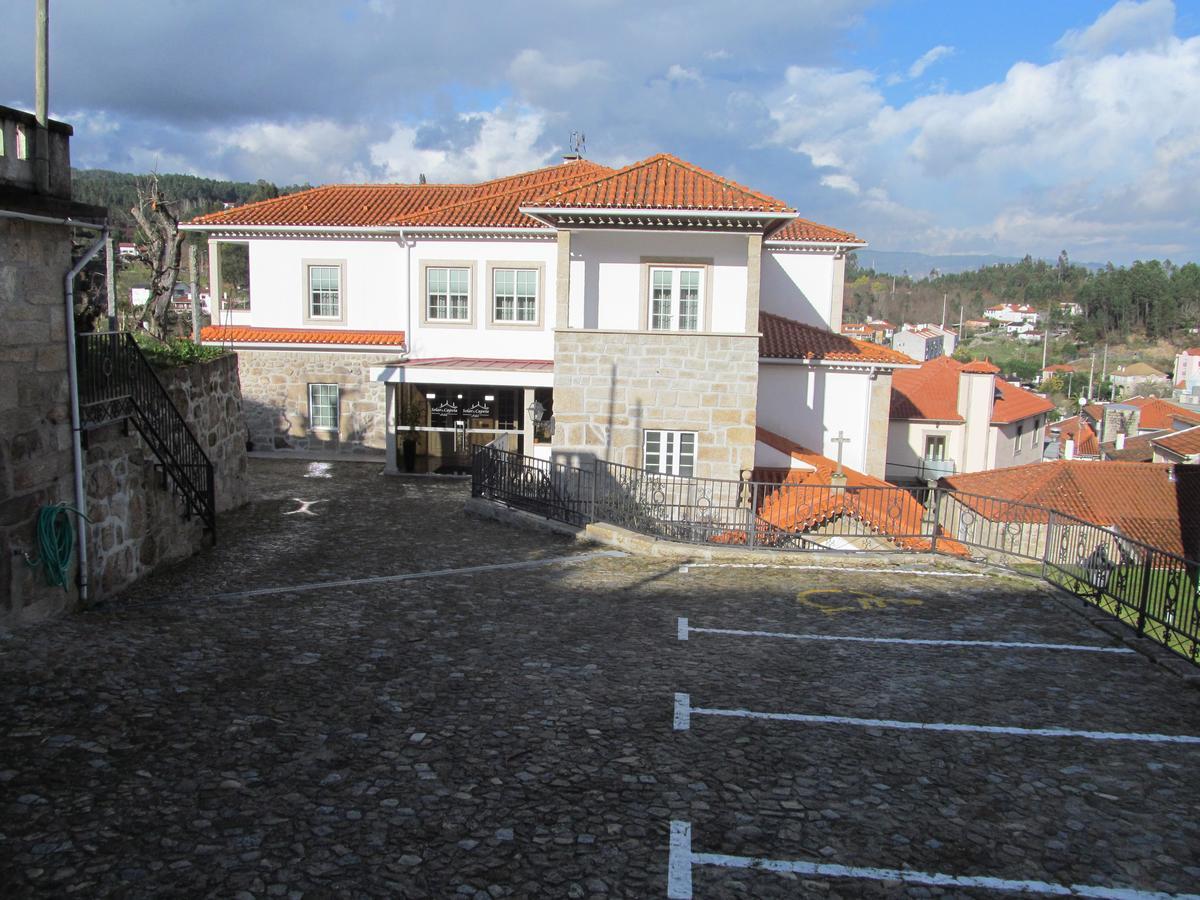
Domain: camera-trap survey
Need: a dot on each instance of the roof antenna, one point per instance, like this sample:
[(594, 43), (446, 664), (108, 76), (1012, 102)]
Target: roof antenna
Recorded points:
[(421, 179), (578, 147)]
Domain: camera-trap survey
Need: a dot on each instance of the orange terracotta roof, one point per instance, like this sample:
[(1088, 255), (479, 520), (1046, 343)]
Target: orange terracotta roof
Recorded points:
[(981, 367), (1192, 351), (1181, 443), (1158, 413), (1015, 403), (1087, 443), (804, 231), (931, 393), (784, 338), (1140, 499), (245, 334), (1138, 448), (492, 203), (805, 499), (1059, 367), (660, 182)]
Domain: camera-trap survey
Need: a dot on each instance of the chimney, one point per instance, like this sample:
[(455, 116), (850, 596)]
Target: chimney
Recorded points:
[(1120, 440), (1069, 449), (838, 482)]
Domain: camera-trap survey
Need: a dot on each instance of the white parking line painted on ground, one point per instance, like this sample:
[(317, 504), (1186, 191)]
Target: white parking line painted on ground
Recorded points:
[(410, 576), (684, 629), (681, 859), (684, 712), (685, 568)]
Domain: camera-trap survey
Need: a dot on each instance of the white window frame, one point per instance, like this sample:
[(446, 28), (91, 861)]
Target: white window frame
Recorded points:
[(430, 266), (324, 319), (675, 299), (534, 312), (1020, 435), (931, 438), (337, 407), (668, 456)]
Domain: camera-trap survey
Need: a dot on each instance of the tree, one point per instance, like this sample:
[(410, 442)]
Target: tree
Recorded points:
[(160, 246)]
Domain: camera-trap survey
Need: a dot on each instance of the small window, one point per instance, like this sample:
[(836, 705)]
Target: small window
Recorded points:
[(1020, 437), (514, 295), (323, 407), (935, 446), (675, 298), (325, 292), (670, 452), (447, 294), (22, 142)]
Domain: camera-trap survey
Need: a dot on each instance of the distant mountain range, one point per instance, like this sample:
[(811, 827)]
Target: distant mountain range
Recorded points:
[(919, 265)]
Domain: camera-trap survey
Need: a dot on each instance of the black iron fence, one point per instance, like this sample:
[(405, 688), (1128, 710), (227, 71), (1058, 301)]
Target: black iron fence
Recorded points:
[(1153, 591), (117, 382)]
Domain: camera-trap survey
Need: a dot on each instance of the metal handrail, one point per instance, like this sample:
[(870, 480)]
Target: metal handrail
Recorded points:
[(116, 381), (1150, 589)]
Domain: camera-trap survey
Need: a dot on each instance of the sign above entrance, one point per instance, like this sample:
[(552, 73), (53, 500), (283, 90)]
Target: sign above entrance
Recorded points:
[(477, 411), (446, 408)]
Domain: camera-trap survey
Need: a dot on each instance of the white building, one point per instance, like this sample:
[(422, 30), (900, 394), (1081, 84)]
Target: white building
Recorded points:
[(1186, 377), (919, 342), (626, 304), (1012, 314), (1128, 379), (949, 417)]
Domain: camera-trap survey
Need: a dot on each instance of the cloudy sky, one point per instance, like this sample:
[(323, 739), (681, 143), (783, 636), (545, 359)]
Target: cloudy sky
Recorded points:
[(938, 126)]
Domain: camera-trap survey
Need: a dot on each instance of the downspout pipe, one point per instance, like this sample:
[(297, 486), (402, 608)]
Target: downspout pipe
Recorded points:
[(76, 427)]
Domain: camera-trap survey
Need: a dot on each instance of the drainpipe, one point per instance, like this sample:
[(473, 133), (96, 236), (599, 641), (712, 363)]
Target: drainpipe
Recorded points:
[(76, 429)]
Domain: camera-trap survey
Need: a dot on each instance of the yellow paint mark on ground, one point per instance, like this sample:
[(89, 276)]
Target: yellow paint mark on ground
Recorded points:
[(858, 601)]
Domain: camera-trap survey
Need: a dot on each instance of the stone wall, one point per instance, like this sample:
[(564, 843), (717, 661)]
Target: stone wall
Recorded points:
[(275, 393), (138, 524), (35, 418), (611, 386)]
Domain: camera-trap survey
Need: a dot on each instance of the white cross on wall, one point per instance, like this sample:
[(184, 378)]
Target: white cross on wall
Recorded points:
[(840, 440)]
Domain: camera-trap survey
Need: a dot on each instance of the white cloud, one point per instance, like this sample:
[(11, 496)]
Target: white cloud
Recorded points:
[(1100, 147), (506, 141), (679, 74), (927, 59), (315, 151), (1127, 25)]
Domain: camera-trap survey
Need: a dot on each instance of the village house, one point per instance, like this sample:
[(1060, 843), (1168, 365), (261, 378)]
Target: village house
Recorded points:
[(1177, 446), (919, 342), (581, 311), (1186, 377), (1129, 378), (1019, 315), (949, 417)]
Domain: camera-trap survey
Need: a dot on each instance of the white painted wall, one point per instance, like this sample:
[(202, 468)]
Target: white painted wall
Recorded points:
[(800, 284), (811, 405), (383, 294), (906, 446), (606, 276)]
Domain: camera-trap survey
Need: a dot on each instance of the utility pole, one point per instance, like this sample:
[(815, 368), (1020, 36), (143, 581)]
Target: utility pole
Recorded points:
[(110, 282), (1091, 375), (41, 137), (944, 296), (195, 287)]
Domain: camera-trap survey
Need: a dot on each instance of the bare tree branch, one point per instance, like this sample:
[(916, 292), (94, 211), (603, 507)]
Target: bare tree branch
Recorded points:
[(161, 249)]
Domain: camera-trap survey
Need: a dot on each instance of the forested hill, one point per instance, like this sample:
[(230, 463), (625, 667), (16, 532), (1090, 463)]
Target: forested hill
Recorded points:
[(1158, 299), (196, 196)]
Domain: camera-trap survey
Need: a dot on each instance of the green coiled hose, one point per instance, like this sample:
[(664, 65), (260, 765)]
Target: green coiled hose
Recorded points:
[(55, 542)]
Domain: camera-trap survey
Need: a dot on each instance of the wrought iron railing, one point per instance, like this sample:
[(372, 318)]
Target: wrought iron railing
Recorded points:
[(1150, 589), (117, 382)]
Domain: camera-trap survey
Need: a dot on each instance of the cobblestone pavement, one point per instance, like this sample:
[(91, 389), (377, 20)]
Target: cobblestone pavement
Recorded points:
[(509, 733)]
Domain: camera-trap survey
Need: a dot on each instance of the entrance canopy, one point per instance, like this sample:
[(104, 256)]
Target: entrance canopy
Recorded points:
[(467, 370)]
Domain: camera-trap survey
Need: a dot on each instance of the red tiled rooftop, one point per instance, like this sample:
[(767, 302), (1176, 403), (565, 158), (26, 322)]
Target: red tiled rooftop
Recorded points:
[(245, 334), (660, 182), (1140, 499), (1158, 413), (931, 393), (1087, 443), (1181, 443), (784, 338), (981, 367), (804, 231), (804, 499)]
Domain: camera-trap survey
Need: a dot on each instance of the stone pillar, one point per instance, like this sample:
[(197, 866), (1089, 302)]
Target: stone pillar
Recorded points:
[(390, 392), (214, 280), (878, 418), (562, 295), (753, 281)]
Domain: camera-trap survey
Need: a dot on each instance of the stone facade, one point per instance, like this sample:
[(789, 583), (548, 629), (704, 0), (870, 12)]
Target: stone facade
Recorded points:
[(35, 418), (275, 395), (611, 386), (138, 524)]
